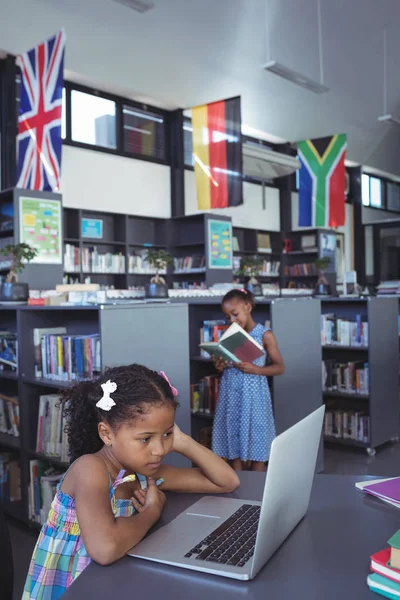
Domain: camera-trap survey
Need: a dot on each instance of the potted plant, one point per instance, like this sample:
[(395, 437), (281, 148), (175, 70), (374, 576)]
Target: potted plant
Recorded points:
[(12, 290), (250, 267), (322, 288), (158, 259)]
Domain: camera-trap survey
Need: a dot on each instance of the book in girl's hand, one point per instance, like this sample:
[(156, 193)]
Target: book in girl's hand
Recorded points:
[(234, 345)]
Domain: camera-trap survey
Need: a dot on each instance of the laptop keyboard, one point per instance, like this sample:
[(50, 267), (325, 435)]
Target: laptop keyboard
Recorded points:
[(233, 542)]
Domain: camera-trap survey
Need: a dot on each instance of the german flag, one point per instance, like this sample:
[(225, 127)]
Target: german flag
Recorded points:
[(217, 151)]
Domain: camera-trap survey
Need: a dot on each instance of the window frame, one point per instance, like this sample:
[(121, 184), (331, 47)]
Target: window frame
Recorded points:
[(120, 102)]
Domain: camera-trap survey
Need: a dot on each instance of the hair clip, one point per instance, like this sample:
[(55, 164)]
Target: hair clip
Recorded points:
[(173, 390), (106, 402), (243, 291)]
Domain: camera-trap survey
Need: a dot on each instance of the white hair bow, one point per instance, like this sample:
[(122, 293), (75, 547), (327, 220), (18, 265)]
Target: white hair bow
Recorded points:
[(106, 402)]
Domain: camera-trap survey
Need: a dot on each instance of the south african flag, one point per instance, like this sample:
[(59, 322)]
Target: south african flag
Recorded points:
[(322, 187)]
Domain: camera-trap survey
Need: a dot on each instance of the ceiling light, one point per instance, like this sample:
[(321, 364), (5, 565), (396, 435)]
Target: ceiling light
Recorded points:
[(141, 6), (294, 77)]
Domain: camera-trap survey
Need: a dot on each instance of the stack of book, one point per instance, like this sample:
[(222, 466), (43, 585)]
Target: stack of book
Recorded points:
[(51, 438), (344, 332), (10, 478), (385, 567), (349, 424), (93, 262), (349, 377), (42, 488), (9, 415), (72, 259), (65, 357), (204, 395), (301, 270)]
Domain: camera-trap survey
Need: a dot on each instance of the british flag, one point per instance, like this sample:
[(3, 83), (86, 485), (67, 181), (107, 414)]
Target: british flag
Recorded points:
[(39, 122)]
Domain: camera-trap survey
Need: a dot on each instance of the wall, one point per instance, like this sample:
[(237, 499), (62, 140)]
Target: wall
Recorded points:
[(99, 181), (250, 214), (374, 215), (347, 230)]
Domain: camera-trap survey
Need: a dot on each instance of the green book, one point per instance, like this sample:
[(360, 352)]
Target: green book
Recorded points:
[(234, 345), (383, 586)]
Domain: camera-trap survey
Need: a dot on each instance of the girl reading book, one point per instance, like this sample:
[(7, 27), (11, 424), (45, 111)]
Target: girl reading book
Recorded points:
[(122, 422), (244, 426)]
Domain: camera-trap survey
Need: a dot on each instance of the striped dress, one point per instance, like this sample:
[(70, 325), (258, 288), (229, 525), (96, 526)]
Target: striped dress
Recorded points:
[(60, 554)]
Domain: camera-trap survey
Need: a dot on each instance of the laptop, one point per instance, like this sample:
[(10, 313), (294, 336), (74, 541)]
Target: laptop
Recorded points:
[(235, 538)]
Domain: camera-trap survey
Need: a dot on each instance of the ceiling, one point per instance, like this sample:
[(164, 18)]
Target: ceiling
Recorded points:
[(187, 52)]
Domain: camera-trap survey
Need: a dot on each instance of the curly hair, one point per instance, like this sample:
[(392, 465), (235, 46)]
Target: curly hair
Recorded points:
[(239, 294), (137, 388)]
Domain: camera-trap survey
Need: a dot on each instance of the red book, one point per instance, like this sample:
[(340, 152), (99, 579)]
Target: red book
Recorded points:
[(380, 564)]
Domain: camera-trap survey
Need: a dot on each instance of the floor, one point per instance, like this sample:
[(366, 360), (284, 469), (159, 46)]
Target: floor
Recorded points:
[(337, 461)]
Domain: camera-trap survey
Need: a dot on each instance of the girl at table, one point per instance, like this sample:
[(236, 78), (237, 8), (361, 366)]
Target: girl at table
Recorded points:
[(123, 422), (244, 425)]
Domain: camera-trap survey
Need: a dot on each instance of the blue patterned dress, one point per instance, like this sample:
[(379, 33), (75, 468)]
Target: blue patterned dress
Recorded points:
[(244, 425)]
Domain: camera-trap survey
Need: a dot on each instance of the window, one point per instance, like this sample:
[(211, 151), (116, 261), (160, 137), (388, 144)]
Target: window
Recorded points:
[(365, 189), (93, 120), (188, 143), (144, 132), (375, 192), (393, 196)]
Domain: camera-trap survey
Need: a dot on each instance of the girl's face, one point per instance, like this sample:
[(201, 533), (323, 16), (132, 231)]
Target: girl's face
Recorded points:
[(141, 444), (237, 311)]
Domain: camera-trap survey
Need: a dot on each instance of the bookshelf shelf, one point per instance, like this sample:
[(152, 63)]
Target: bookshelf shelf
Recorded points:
[(9, 441), (50, 383), (202, 415), (201, 359), (71, 240), (51, 460), (355, 396), (345, 442), (300, 252), (341, 347), (299, 276), (8, 375), (94, 242)]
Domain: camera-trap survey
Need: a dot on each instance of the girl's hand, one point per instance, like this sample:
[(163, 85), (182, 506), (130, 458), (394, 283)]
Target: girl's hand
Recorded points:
[(150, 499), (247, 367), (219, 363), (179, 440)]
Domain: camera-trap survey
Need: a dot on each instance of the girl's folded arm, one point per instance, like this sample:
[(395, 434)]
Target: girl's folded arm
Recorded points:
[(106, 538)]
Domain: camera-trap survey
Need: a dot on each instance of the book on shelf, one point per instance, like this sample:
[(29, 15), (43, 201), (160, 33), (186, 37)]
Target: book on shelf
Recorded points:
[(9, 415), (211, 332), (10, 477), (43, 482), (350, 425), (51, 438), (235, 244), (344, 332), (204, 395), (263, 243), (72, 258), (189, 263), (66, 357), (300, 269), (38, 334), (94, 262), (8, 351), (234, 345), (349, 377)]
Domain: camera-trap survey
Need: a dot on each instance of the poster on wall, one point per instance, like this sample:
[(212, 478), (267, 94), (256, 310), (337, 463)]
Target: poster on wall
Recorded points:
[(219, 244), (40, 227), (92, 228)]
